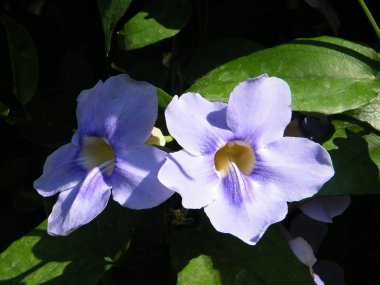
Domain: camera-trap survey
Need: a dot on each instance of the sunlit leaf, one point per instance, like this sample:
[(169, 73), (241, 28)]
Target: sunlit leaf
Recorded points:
[(215, 53), (326, 75), (24, 59), (355, 152), (368, 113), (157, 20), (203, 257), (111, 12)]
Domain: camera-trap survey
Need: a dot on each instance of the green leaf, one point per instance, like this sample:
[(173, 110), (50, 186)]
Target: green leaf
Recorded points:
[(326, 75), (79, 258), (355, 152), (208, 257), (368, 113), (24, 60), (158, 20), (163, 99), (111, 12), (4, 110), (200, 270), (215, 53)]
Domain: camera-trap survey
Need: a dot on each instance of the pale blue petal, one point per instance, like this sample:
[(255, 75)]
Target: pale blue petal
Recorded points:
[(259, 109), (134, 178), (304, 252), (311, 230), (330, 272), (121, 110), (80, 205), (298, 166), (323, 209), (198, 125), (61, 172), (318, 280), (193, 177), (246, 208)]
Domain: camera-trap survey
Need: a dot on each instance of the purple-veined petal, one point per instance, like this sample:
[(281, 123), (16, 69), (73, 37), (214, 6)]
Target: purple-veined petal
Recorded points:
[(245, 208), (80, 205), (298, 166), (311, 230), (259, 109), (120, 109), (198, 125), (61, 172), (193, 177), (325, 208), (303, 251), (134, 178)]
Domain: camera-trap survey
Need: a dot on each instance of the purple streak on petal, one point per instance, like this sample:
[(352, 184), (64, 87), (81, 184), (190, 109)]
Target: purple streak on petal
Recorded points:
[(311, 230), (121, 110), (134, 179), (303, 251), (80, 205), (198, 125), (330, 272), (298, 166), (61, 172), (249, 219), (236, 186), (259, 109), (193, 177), (325, 208)]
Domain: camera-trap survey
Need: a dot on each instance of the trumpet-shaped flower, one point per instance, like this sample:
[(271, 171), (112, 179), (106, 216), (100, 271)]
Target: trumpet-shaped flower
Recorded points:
[(106, 155), (235, 162)]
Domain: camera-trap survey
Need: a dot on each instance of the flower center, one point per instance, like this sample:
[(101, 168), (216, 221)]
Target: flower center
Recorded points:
[(97, 151), (238, 152)]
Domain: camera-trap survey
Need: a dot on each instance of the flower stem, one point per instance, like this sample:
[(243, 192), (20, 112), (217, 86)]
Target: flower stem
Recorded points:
[(370, 18)]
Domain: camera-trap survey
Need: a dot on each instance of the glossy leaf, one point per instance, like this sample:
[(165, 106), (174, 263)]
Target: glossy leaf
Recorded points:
[(157, 20), (80, 258), (200, 270), (24, 60), (111, 12), (326, 75), (355, 152), (200, 257), (215, 53), (368, 113)]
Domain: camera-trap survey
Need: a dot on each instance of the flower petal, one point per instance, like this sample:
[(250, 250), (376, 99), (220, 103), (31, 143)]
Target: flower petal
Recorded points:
[(198, 125), (303, 251), (311, 230), (325, 208), (120, 109), (193, 177), (318, 280), (134, 179), (80, 205), (259, 109), (330, 272), (246, 215), (298, 166), (62, 171)]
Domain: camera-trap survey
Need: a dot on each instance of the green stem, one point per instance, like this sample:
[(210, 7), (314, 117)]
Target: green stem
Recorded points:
[(370, 18)]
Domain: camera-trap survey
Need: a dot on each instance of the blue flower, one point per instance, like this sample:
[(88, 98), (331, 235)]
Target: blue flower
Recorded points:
[(106, 155), (235, 162)]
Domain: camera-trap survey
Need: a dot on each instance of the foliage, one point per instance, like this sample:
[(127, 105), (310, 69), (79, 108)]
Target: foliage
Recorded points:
[(52, 50)]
